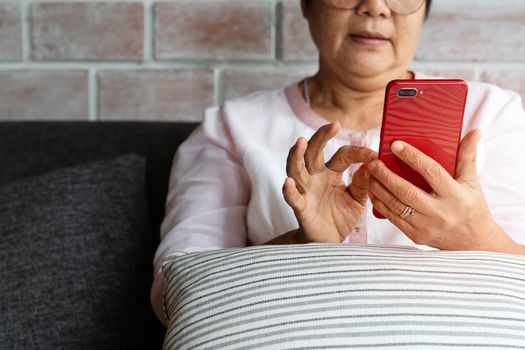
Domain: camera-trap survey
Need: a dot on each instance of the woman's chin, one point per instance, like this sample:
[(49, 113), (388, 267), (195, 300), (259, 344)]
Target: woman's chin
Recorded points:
[(366, 70), (365, 64)]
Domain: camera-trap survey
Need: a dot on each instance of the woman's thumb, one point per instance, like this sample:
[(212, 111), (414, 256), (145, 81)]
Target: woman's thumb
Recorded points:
[(358, 189), (466, 163)]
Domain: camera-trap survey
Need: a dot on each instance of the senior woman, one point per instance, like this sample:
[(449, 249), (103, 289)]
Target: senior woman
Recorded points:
[(226, 187)]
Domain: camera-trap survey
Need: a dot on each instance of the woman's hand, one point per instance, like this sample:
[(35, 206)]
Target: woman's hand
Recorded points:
[(327, 210), (455, 216)]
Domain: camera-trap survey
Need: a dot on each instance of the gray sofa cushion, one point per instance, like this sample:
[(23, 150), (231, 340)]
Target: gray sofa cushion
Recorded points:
[(70, 243), (31, 148)]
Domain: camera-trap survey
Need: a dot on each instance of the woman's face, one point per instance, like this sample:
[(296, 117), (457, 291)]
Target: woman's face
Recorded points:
[(365, 42)]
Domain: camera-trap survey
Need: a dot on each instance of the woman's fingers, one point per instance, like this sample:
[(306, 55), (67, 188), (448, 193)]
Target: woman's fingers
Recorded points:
[(358, 188), (404, 225), (343, 158), (403, 190), (295, 166), (437, 177), (292, 196), (314, 157), (379, 192), (347, 155), (466, 165)]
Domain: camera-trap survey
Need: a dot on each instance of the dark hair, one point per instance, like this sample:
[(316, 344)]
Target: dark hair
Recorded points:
[(427, 8)]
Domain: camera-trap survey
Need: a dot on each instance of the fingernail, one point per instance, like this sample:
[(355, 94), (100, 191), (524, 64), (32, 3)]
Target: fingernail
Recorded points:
[(371, 166), (397, 147)]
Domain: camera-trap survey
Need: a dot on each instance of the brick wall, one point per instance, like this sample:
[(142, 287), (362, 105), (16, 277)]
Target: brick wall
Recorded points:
[(168, 60)]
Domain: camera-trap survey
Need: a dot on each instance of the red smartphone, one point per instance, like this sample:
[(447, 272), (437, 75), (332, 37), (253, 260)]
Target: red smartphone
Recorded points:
[(427, 114)]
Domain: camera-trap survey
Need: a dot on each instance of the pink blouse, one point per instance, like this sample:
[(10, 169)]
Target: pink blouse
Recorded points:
[(226, 182)]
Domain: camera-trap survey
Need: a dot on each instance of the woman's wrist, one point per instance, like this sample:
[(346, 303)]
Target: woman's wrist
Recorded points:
[(510, 246), (291, 237), (501, 242), (299, 237)]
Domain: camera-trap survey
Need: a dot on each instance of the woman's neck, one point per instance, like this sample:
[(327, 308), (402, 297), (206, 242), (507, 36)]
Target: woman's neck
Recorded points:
[(354, 108)]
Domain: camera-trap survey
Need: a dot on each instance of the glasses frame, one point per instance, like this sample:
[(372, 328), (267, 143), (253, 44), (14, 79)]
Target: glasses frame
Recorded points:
[(421, 2)]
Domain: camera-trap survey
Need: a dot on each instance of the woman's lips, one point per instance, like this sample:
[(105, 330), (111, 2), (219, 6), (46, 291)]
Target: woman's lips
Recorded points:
[(369, 39)]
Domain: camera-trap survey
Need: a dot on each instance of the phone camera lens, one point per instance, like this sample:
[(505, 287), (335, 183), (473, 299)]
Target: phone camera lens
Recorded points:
[(407, 92)]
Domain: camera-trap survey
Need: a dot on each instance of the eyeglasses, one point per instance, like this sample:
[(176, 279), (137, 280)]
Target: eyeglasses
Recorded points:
[(401, 7)]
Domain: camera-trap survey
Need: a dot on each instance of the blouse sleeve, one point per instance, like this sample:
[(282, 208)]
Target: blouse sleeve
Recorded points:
[(503, 174), (207, 198)]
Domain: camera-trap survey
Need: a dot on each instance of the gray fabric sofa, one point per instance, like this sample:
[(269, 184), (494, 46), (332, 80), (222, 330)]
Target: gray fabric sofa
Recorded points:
[(80, 208)]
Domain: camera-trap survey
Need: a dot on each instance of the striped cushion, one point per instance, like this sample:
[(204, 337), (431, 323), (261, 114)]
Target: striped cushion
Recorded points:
[(340, 296)]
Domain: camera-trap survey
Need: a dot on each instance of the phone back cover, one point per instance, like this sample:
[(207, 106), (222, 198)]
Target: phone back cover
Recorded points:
[(431, 122)]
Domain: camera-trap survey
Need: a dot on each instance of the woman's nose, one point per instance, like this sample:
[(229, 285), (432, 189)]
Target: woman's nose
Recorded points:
[(373, 8)]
